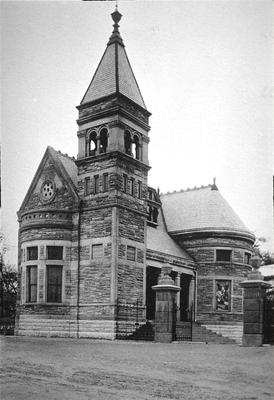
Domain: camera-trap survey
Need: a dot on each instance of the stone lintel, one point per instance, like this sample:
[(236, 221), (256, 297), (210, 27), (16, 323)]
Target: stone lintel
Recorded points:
[(255, 283), (171, 288)]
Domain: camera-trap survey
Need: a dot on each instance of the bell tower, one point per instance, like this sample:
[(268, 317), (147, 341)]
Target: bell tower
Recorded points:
[(112, 183)]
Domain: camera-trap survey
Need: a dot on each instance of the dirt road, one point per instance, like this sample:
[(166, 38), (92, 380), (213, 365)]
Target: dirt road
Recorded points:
[(40, 368)]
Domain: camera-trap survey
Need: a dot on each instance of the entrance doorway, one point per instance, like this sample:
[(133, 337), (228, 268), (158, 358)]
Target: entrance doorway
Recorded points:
[(185, 300), (152, 277)]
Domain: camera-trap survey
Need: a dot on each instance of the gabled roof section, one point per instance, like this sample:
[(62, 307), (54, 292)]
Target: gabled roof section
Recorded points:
[(68, 163), (114, 74), (66, 168), (200, 209)]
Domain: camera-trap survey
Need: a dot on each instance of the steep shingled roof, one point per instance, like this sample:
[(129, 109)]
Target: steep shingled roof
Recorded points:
[(159, 240), (199, 209), (114, 73), (67, 162)]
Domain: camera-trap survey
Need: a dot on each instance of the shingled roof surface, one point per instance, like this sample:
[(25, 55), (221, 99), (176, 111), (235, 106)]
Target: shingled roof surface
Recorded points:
[(114, 74), (68, 164), (159, 240), (199, 209)]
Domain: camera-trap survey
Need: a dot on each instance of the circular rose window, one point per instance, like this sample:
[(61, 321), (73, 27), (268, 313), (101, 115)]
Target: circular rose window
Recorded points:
[(48, 190)]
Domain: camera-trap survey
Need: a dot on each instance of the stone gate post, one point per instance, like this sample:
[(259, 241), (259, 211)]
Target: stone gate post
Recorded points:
[(166, 292), (253, 305)]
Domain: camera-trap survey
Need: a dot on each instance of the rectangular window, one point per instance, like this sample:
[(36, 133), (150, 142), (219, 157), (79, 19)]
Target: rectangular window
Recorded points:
[(139, 189), (132, 187), (222, 295), (105, 182), (32, 284), (87, 186), (125, 183), (131, 253), (247, 258), (32, 253), (223, 255), (97, 251), (55, 252), (96, 184), (54, 283)]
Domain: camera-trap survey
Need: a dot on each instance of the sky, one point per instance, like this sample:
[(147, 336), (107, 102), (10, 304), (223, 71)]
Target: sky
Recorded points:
[(204, 69)]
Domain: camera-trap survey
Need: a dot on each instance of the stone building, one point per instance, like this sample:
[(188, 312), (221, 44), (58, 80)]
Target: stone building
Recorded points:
[(93, 235)]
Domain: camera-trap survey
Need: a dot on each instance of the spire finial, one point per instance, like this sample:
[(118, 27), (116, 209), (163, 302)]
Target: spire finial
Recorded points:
[(214, 186), (116, 16)]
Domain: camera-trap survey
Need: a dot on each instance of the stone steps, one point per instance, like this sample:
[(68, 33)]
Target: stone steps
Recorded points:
[(200, 333), (234, 332)]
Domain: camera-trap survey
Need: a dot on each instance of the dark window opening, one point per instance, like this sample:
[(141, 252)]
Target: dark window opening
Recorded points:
[(223, 255), (32, 284), (103, 140), (125, 180), (155, 215), (131, 253), (127, 140), (152, 276), (87, 186), (96, 184), (139, 190), (131, 186), (247, 258), (55, 252), (136, 147), (54, 283), (96, 251), (92, 144), (105, 182), (32, 253)]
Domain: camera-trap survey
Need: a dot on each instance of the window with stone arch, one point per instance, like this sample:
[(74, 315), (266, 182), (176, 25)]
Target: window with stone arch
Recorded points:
[(127, 140), (92, 144), (136, 147), (103, 140)]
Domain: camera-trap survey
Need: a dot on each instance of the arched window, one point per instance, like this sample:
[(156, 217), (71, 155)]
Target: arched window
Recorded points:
[(136, 147), (103, 140), (127, 140), (92, 144)]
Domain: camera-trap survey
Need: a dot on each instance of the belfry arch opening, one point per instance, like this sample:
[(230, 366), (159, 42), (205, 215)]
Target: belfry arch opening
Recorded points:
[(136, 147), (103, 141), (92, 144), (127, 140)]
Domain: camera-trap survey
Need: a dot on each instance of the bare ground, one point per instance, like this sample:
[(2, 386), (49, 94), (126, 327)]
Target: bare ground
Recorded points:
[(47, 368)]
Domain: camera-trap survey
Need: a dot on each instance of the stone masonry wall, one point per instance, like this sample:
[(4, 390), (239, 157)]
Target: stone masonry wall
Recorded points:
[(210, 273)]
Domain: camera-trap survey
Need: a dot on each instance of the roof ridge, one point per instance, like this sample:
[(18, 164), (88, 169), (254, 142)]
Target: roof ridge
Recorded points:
[(187, 190), (62, 154)]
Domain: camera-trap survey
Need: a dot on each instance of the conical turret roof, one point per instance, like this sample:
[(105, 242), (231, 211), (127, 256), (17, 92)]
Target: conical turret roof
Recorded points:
[(114, 73), (199, 210)]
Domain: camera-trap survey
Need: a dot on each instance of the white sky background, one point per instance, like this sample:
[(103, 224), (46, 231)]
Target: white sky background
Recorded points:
[(204, 70)]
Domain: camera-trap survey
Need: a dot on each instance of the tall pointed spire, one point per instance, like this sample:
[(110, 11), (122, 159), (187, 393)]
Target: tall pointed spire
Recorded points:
[(114, 74)]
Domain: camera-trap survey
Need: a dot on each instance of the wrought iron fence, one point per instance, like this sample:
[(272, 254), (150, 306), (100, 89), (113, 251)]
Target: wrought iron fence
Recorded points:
[(131, 323)]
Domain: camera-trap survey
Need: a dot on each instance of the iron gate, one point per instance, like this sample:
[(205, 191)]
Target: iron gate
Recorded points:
[(182, 330), (268, 317), (131, 324)]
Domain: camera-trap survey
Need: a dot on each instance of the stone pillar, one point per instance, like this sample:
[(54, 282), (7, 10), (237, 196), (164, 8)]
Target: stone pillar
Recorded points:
[(253, 305), (178, 295), (165, 298)]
